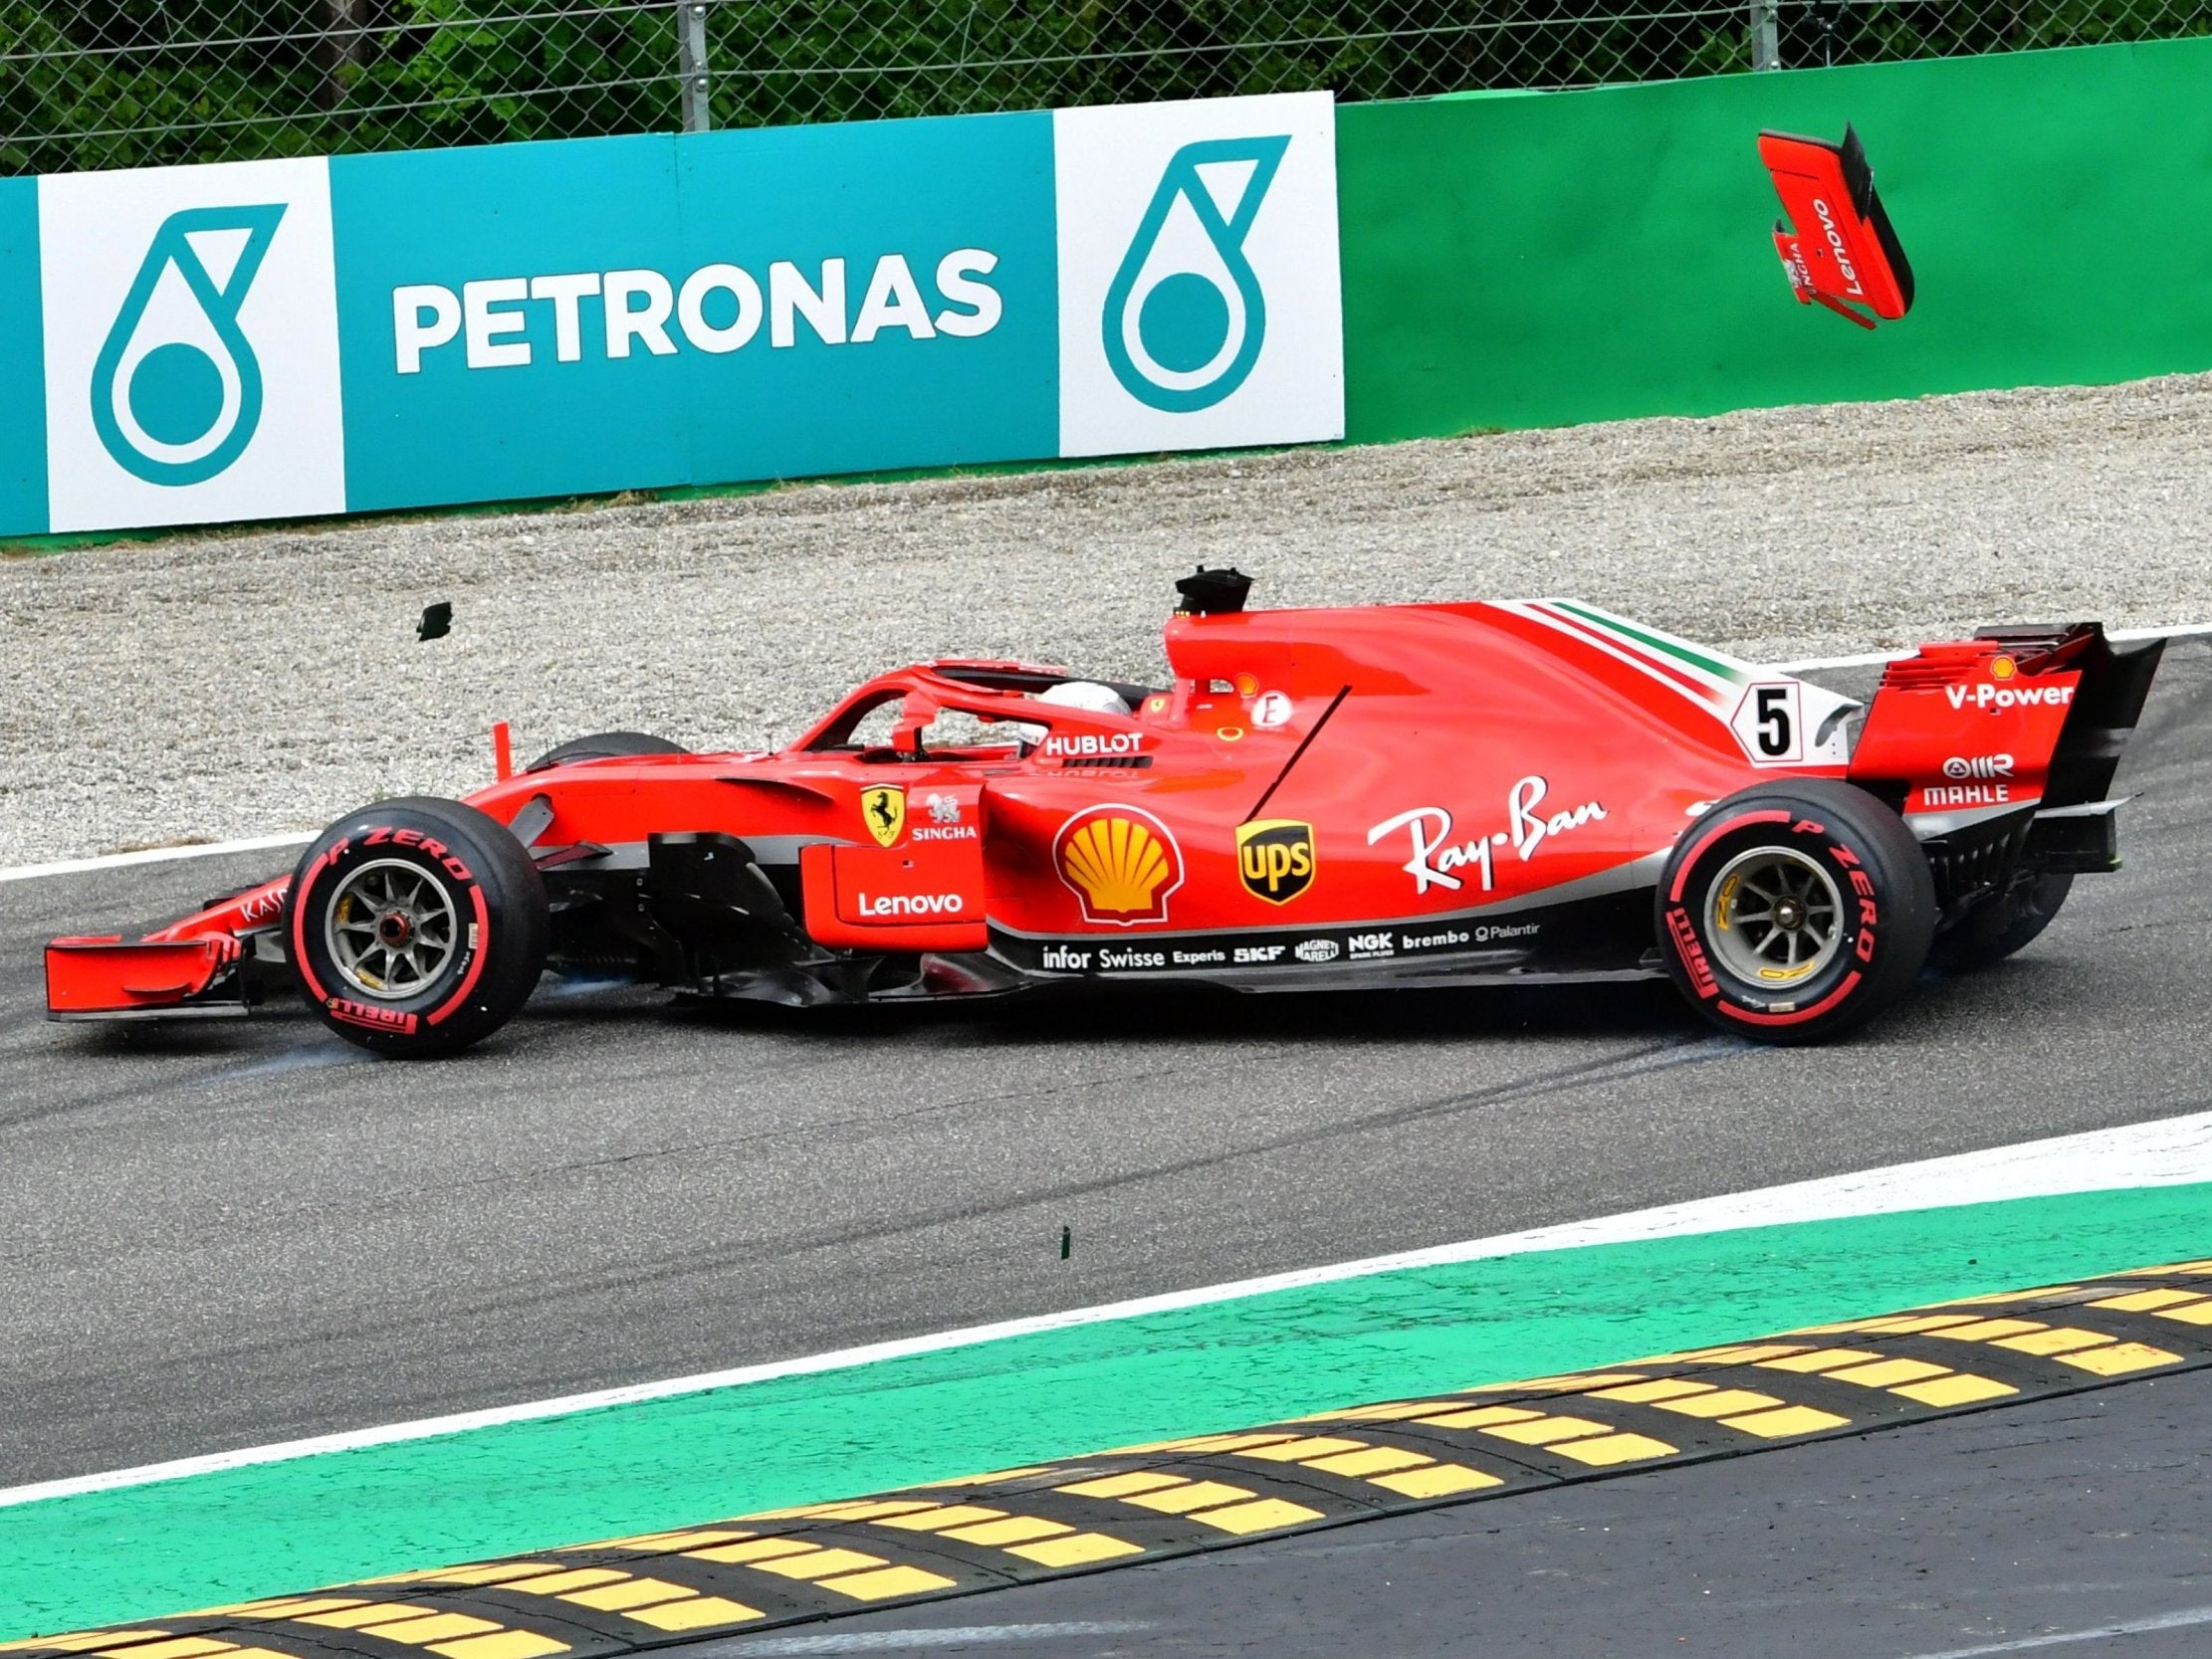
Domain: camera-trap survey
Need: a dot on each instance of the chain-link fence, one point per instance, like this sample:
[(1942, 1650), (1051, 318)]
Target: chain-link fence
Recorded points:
[(131, 83)]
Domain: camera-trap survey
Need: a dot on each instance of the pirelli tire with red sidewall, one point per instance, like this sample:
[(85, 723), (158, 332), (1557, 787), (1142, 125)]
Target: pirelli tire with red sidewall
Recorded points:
[(1793, 912), (416, 927)]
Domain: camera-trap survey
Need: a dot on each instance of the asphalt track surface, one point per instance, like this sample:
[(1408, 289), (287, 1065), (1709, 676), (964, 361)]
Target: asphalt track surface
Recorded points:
[(233, 1234), (1977, 1537)]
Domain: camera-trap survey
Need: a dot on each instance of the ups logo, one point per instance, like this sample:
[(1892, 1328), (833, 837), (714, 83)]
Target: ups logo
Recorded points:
[(1275, 857)]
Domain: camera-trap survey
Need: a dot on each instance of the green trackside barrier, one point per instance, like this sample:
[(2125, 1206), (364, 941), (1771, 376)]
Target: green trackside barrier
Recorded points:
[(1587, 255), (513, 322), (313, 336)]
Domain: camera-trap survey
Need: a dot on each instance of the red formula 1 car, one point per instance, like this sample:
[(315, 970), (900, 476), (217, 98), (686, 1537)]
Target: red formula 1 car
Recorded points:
[(1419, 794)]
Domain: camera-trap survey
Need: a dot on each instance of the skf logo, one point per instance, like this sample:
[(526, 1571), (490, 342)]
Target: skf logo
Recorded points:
[(1275, 858), (1121, 862), (883, 810)]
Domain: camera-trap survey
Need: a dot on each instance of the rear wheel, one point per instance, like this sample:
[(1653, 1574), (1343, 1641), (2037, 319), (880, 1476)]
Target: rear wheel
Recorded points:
[(416, 927), (605, 745), (1992, 932), (1793, 912)]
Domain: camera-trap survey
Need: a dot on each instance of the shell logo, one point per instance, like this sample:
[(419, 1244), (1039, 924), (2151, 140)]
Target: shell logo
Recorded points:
[(1121, 862), (2002, 668)]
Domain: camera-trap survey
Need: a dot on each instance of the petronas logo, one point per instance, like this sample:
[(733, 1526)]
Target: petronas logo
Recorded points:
[(1185, 315), (177, 388)]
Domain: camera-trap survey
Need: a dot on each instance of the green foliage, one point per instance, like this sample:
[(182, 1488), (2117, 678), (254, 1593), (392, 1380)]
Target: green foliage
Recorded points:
[(131, 83), (125, 85), (139, 82), (464, 72)]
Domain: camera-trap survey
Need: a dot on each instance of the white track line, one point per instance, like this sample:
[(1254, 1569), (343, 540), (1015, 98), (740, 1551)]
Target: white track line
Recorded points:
[(2173, 1152), (263, 843), (1874, 658), (2183, 1620), (918, 1640), (156, 854), (1814, 665)]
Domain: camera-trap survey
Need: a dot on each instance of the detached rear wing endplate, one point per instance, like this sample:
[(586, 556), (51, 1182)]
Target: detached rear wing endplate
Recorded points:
[(1843, 252)]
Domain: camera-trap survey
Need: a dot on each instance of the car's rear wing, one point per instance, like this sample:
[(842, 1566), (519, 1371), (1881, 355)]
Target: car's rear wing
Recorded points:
[(2107, 703), (2030, 719)]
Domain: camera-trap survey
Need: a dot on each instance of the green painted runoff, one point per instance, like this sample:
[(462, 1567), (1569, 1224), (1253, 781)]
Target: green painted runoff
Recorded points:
[(145, 1551)]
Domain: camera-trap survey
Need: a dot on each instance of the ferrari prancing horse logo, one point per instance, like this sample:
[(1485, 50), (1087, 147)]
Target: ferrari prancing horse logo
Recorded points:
[(883, 809)]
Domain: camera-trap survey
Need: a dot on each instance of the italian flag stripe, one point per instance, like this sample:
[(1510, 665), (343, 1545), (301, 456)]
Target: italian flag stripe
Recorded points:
[(1673, 648), (1611, 643)]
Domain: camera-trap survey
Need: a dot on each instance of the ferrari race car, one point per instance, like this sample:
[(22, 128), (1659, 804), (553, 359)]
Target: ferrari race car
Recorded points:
[(1392, 795)]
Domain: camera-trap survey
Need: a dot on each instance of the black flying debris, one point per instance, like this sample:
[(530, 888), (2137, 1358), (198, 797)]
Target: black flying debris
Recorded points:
[(437, 621)]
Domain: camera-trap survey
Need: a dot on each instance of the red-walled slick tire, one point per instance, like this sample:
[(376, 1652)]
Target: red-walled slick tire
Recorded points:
[(1793, 912), (416, 927)]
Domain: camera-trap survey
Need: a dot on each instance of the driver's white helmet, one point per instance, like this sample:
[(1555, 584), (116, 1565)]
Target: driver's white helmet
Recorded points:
[(1086, 693), (1074, 693)]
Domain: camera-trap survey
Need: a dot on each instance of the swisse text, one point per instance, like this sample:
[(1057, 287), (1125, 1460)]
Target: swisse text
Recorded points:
[(718, 308), (1111, 957), (912, 903)]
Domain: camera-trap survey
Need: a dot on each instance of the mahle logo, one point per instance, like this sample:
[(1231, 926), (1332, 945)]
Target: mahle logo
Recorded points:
[(177, 388), (1186, 316)]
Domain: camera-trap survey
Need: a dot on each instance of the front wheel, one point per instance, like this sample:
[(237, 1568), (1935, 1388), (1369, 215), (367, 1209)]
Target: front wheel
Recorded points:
[(1793, 912), (417, 927)]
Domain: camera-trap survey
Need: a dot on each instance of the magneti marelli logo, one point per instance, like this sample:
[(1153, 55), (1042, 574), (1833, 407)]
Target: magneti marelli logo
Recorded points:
[(177, 388), (1185, 316)]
